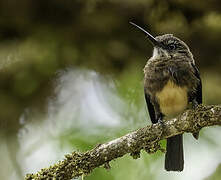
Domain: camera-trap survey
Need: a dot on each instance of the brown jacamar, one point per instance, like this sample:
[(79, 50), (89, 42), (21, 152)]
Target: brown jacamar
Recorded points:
[(172, 84)]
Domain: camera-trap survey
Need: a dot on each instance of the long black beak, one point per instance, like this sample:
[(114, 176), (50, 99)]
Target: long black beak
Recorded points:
[(149, 36)]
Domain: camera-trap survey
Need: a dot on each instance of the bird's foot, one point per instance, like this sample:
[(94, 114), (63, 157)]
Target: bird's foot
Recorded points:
[(194, 104), (160, 120)]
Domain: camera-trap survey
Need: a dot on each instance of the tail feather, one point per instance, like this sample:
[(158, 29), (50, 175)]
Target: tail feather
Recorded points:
[(174, 160)]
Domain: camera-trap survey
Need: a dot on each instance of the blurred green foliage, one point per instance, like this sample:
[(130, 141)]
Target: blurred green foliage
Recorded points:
[(39, 38), (216, 175)]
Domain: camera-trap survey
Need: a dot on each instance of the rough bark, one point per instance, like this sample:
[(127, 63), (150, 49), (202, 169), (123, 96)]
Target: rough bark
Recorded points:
[(146, 138)]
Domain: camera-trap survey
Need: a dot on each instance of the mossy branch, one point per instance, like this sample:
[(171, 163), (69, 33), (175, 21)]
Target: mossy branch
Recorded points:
[(147, 138)]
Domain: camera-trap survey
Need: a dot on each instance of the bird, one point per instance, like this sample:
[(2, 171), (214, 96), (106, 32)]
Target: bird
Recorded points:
[(172, 84)]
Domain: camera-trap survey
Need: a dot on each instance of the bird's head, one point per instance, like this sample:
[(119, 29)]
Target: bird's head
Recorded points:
[(167, 45)]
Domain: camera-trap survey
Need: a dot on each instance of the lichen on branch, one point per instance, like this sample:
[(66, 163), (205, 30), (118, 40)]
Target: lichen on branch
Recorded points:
[(146, 138)]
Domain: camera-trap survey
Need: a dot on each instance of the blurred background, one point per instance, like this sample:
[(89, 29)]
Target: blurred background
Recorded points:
[(71, 76)]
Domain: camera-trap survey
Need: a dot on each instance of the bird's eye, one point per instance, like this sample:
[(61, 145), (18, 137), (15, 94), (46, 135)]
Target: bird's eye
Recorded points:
[(172, 46)]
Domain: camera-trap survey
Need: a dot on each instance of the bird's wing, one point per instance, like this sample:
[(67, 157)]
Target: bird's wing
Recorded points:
[(150, 108), (198, 93), (197, 99)]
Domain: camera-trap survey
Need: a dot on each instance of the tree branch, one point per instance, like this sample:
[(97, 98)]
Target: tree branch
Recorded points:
[(147, 138)]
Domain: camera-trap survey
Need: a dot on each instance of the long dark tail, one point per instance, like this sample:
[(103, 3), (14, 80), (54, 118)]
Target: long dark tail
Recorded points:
[(174, 155)]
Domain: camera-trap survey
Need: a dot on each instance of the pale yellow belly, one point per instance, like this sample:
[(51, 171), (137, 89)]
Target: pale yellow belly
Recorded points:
[(172, 99)]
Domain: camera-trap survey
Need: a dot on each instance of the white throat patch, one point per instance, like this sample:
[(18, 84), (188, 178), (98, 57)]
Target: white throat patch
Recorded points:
[(155, 53), (158, 52)]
